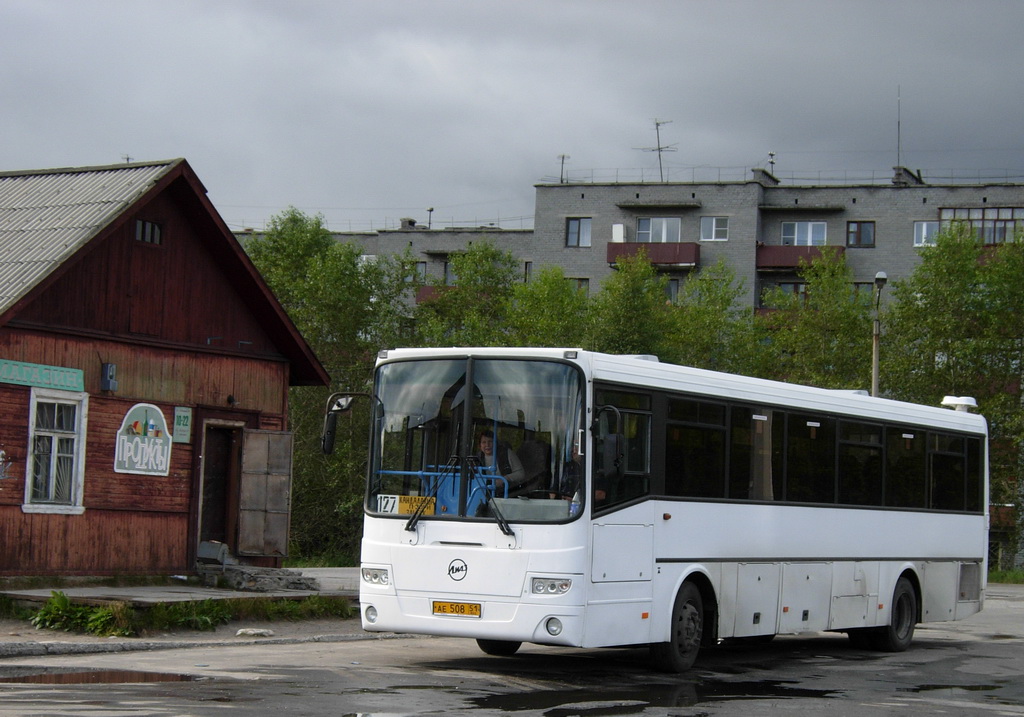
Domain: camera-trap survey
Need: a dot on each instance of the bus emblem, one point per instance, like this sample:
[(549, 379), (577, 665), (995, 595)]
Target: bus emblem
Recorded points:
[(457, 569)]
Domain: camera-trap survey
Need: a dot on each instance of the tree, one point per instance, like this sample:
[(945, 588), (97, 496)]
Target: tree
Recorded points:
[(823, 337), (549, 310), (956, 327), (632, 313), (712, 329), (473, 312), (346, 309)]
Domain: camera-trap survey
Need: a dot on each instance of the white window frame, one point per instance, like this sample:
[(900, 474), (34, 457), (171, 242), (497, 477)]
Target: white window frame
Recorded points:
[(803, 233), (714, 228), (660, 230), (924, 233), (81, 402), (577, 232)]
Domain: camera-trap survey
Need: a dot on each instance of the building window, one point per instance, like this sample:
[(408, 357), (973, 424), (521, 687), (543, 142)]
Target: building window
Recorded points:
[(672, 290), (797, 288), (55, 468), (147, 232), (714, 228), (577, 232), (992, 225), (527, 271), (860, 234), (449, 274), (658, 230), (580, 284), (924, 233), (803, 233)]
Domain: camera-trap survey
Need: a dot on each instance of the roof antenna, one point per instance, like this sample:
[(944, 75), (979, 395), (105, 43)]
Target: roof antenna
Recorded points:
[(127, 158), (660, 148), (561, 174), (899, 129)]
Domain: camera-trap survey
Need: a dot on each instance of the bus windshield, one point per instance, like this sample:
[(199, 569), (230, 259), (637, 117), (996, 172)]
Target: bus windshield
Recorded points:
[(475, 438)]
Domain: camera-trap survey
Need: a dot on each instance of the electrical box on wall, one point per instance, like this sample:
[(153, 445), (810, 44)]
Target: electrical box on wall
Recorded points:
[(108, 377)]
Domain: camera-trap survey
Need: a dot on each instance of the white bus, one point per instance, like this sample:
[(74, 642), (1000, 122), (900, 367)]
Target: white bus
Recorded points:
[(631, 502)]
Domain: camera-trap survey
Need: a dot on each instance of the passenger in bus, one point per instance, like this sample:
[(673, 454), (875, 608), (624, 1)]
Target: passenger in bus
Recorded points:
[(496, 456)]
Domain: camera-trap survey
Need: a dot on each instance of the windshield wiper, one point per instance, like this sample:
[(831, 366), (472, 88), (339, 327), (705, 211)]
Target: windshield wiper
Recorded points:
[(499, 518), (448, 470)]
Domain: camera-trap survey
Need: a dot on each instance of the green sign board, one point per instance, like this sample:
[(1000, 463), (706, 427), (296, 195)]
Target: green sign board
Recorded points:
[(34, 374)]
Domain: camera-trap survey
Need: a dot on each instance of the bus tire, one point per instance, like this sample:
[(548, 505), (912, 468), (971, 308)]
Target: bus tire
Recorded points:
[(897, 635), (499, 648), (685, 634)]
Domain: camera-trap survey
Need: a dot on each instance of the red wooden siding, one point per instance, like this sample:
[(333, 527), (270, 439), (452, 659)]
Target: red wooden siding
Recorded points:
[(175, 292)]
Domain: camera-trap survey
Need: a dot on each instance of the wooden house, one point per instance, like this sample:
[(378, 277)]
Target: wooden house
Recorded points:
[(144, 374)]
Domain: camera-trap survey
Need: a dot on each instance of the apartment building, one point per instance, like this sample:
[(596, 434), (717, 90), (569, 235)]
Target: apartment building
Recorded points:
[(762, 228)]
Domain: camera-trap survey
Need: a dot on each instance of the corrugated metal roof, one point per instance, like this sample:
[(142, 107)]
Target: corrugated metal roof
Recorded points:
[(48, 215)]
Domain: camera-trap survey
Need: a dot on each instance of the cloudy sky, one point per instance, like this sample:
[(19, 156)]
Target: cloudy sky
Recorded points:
[(366, 111)]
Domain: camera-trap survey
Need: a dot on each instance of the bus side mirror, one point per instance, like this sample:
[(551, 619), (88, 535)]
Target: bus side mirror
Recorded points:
[(337, 404)]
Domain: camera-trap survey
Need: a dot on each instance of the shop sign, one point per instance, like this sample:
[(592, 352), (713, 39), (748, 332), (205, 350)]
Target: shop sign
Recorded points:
[(143, 444), (34, 374)]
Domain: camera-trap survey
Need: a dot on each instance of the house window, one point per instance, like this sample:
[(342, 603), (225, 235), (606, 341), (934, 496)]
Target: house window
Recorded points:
[(55, 468), (147, 232), (658, 230), (449, 274), (803, 233), (924, 233), (577, 232), (860, 234), (527, 271), (714, 228), (797, 288)]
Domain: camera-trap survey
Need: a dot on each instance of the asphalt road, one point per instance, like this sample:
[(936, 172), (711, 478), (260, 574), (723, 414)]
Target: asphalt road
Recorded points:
[(973, 667)]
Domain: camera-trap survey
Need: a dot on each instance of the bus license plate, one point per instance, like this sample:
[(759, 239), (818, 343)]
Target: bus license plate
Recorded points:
[(460, 609)]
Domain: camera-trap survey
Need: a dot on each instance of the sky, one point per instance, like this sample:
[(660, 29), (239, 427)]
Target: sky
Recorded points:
[(368, 111)]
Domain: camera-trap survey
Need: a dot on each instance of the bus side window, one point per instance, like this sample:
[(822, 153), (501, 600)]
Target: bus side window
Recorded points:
[(633, 481)]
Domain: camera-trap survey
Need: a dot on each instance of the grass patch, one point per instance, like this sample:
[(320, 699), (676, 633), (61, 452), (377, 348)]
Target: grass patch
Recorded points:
[(59, 613), (1015, 577)]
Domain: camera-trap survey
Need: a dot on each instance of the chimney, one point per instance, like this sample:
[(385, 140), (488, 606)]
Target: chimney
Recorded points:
[(764, 177), (904, 177)]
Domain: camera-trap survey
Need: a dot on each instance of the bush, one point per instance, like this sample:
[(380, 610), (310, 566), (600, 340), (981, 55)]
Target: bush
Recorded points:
[(59, 613)]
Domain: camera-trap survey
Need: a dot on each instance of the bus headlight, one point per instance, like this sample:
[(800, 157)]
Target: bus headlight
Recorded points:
[(550, 586), (375, 576), (553, 626)]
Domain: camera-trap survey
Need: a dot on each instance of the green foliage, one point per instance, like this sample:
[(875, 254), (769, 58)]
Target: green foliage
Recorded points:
[(549, 310), (10, 610), (823, 339), (1014, 577), (711, 329), (59, 613), (347, 309), (475, 311), (632, 313)]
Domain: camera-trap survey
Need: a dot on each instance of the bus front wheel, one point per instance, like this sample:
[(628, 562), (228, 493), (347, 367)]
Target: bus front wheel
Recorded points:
[(897, 635), (685, 635), (499, 648)]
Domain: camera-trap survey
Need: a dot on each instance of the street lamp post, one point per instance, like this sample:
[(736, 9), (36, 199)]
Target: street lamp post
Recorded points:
[(876, 331)]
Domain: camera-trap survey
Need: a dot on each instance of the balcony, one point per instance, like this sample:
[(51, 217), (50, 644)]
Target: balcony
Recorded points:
[(778, 258), (676, 254)]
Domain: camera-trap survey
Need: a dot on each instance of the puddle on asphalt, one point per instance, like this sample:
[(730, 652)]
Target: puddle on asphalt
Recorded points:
[(88, 677), (564, 703)]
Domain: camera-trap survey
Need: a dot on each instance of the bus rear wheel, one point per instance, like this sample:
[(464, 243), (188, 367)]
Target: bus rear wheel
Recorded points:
[(897, 635), (499, 648), (685, 635)]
